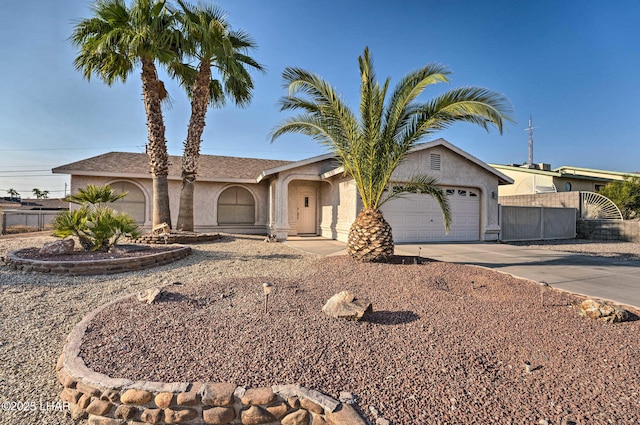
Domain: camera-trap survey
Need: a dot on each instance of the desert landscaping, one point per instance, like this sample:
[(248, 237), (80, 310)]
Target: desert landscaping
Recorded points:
[(445, 343)]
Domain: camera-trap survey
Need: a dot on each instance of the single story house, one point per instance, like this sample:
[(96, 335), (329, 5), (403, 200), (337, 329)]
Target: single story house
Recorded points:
[(540, 178), (308, 197)]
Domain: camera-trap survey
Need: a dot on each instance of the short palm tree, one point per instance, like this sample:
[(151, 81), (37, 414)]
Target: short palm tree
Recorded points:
[(371, 147), (97, 226), (208, 43), (112, 44), (96, 196)]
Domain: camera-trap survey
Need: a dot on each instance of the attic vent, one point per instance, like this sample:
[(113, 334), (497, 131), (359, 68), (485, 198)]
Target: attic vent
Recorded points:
[(435, 161)]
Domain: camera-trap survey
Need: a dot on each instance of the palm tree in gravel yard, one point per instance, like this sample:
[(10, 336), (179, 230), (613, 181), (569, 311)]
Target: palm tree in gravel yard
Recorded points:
[(112, 44), (372, 147), (209, 43)]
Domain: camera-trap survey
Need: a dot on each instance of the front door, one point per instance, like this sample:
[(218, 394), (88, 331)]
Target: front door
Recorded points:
[(306, 211)]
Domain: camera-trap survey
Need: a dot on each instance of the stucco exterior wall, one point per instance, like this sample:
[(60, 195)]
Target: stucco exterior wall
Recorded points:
[(456, 170), (338, 208), (205, 202), (282, 220)]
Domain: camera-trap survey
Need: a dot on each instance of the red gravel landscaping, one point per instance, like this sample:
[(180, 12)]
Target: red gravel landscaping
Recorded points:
[(446, 343)]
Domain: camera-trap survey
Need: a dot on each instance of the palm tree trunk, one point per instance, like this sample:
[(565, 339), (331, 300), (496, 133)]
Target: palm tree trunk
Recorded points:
[(191, 153), (157, 147), (370, 238)]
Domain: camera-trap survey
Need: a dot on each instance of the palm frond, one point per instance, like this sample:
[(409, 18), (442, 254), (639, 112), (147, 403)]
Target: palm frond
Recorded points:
[(372, 146), (424, 184)]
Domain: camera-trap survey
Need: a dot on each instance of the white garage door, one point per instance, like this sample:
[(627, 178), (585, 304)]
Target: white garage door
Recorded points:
[(417, 217)]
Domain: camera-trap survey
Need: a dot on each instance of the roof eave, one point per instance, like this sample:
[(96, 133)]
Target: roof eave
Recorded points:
[(302, 163)]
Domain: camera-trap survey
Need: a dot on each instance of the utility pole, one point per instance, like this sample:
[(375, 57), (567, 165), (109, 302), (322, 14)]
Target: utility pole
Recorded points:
[(530, 156)]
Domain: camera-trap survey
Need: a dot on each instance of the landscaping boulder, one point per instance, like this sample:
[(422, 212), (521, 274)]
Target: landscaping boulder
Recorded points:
[(603, 312), (63, 246), (151, 295), (344, 305)]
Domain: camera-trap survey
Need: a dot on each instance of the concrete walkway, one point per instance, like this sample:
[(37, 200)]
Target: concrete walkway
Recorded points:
[(598, 277)]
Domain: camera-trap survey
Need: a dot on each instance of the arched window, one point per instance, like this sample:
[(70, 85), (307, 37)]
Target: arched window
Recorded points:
[(133, 204), (236, 206)]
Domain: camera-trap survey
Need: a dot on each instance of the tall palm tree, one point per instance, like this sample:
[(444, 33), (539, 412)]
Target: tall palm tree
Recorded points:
[(13, 193), (371, 147), (112, 44), (209, 43)]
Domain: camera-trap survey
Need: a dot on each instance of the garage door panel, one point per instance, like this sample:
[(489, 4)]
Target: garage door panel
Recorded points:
[(417, 217)]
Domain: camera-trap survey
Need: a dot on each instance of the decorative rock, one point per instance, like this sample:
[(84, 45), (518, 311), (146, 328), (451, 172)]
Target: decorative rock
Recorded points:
[(290, 390), (345, 415), (179, 416), (60, 363), (317, 419), (299, 417), (151, 295), (187, 399), (311, 406), (161, 229), (88, 389), (70, 395), (382, 421), (110, 395), (151, 416), (65, 379), (77, 413), (163, 400), (64, 246), (219, 415), (218, 394), (137, 397), (346, 397), (99, 420), (125, 412), (84, 401), (98, 407), (264, 395), (256, 415), (344, 305), (278, 409), (294, 402), (603, 312)]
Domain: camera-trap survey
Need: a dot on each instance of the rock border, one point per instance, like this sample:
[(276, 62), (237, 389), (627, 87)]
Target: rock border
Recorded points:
[(104, 400), (97, 267)]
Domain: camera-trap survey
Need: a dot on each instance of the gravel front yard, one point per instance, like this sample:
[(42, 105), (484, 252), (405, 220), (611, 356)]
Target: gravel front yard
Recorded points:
[(436, 350)]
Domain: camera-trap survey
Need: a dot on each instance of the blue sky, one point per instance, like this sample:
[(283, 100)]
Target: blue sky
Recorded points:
[(573, 65)]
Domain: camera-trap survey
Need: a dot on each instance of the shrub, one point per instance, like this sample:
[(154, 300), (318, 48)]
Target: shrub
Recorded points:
[(626, 195), (97, 226)]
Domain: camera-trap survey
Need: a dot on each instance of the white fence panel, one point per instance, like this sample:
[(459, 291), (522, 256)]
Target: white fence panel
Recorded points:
[(536, 223), (35, 219)]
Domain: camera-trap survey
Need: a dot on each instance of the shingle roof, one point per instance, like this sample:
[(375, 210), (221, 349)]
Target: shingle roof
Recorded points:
[(211, 167)]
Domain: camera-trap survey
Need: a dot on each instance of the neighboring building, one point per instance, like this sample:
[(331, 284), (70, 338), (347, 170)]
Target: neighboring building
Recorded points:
[(308, 197), (541, 179), (53, 204)]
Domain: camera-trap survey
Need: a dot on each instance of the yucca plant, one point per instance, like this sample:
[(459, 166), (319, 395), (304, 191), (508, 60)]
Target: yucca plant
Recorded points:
[(97, 226), (371, 147)]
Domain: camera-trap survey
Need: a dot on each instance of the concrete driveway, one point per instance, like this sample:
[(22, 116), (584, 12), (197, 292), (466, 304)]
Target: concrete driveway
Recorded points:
[(598, 277)]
